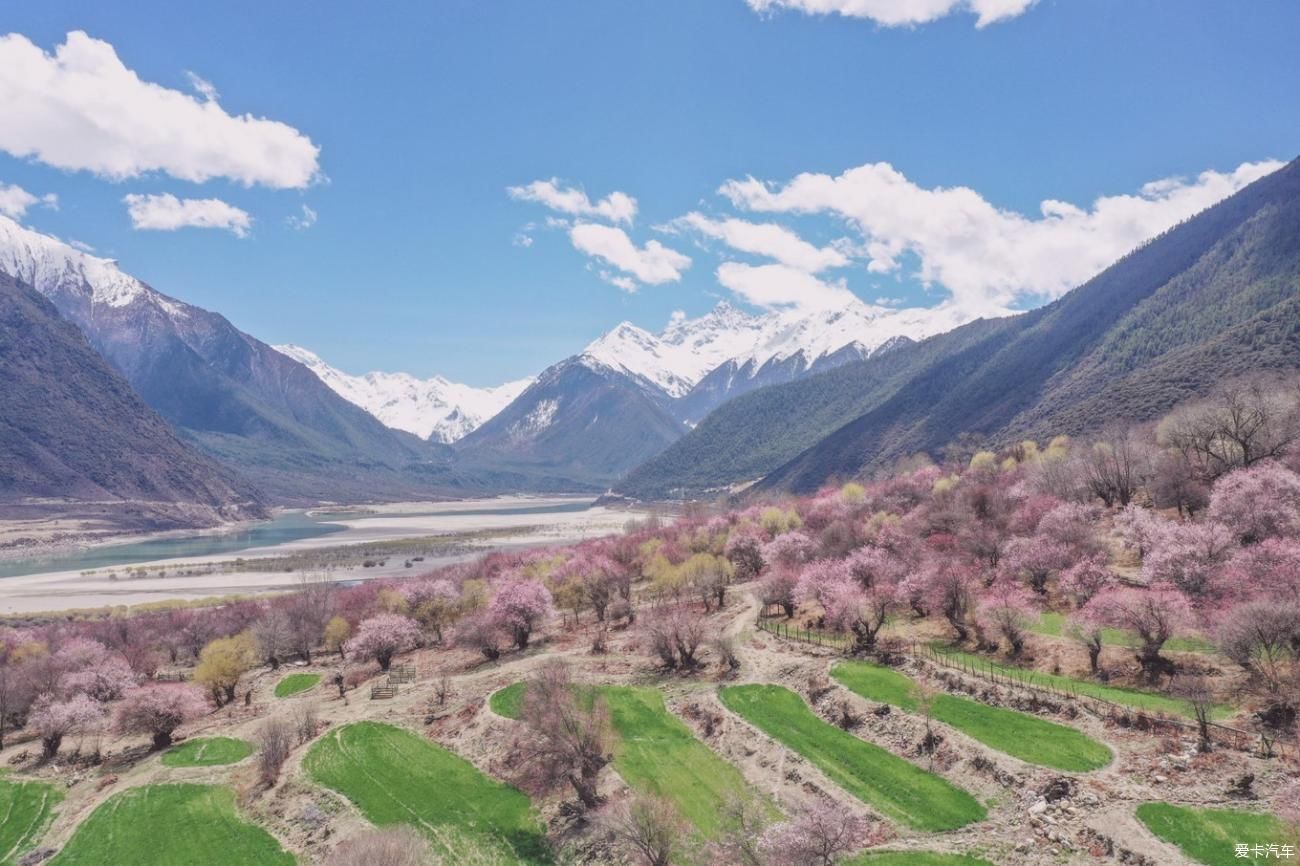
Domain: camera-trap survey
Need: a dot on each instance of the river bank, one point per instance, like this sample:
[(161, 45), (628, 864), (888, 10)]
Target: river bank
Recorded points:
[(453, 530)]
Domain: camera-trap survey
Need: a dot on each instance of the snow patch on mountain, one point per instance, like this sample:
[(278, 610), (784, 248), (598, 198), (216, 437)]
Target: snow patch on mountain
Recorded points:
[(538, 419), (436, 408), (49, 265), (687, 350)]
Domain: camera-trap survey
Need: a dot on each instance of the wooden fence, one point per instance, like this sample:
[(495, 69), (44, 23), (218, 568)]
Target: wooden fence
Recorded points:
[(401, 674), (809, 636)]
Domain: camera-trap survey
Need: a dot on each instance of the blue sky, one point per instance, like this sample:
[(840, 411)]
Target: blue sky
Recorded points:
[(426, 113)]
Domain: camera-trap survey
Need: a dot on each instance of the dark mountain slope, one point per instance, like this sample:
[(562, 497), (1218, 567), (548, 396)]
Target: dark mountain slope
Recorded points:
[(237, 398), (73, 429), (1211, 297), (756, 432), (580, 425)]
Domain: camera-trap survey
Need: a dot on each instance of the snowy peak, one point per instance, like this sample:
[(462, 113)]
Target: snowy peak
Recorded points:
[(433, 408), (687, 350), (51, 267)]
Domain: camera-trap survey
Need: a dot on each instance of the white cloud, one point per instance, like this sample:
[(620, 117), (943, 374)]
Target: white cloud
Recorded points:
[(654, 263), (782, 286), (167, 213), (627, 284), (203, 87), (81, 108), (901, 13), (617, 207), (766, 239), (81, 245), (985, 256), (302, 221), (14, 200), (522, 240)]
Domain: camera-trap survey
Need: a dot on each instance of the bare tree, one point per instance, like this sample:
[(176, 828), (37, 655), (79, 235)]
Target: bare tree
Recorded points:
[(305, 721), (675, 634), (567, 736), (274, 636), (1241, 422), (307, 612), (274, 743), (1198, 691), (650, 826), (1116, 466)]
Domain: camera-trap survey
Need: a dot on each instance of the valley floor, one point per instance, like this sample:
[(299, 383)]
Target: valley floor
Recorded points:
[(441, 532)]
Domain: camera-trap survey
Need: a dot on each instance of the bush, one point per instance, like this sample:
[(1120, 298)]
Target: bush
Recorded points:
[(274, 743)]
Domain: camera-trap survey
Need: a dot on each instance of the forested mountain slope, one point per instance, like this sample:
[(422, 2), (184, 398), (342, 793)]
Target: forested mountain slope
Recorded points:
[(1213, 297), (1210, 298)]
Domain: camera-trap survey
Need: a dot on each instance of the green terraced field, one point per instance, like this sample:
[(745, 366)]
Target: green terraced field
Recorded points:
[(1053, 625), (898, 789), (295, 683), (1020, 735), (171, 825), (25, 810), (397, 777), (914, 858), (207, 752), (1209, 835), (1151, 702), (656, 753)]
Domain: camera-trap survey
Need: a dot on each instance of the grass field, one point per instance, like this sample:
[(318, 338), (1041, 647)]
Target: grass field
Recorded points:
[(1210, 835), (509, 702), (207, 752), (171, 825), (397, 777), (899, 790), (656, 753), (295, 683), (914, 858), (25, 810), (1020, 735), (1053, 625), (1151, 702)]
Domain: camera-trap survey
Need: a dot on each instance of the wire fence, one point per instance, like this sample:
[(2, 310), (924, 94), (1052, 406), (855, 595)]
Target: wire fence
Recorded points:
[(1137, 718), (808, 636)]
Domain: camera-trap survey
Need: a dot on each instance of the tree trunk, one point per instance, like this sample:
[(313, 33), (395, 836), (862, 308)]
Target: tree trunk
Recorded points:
[(161, 740)]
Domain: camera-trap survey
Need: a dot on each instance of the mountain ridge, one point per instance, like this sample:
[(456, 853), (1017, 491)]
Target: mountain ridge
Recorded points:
[(74, 430)]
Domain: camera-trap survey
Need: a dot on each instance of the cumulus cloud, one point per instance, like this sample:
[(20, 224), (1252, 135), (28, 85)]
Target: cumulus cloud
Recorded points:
[(14, 200), (167, 213), (617, 207), (765, 239), (901, 13), (652, 264), (782, 286), (989, 257), (82, 109)]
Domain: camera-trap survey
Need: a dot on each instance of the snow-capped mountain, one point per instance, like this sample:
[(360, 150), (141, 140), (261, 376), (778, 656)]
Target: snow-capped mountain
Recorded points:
[(434, 408), (630, 394), (233, 395), (688, 350)]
